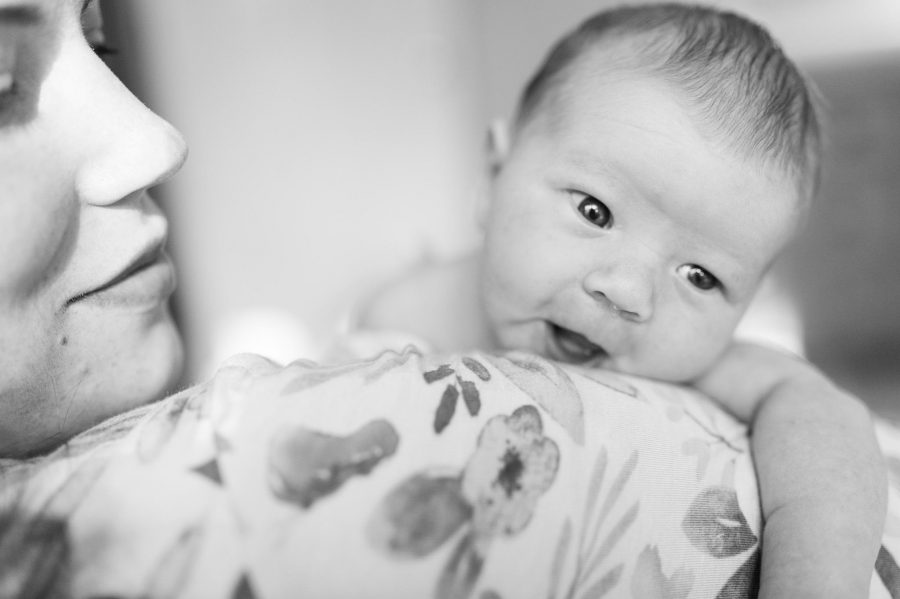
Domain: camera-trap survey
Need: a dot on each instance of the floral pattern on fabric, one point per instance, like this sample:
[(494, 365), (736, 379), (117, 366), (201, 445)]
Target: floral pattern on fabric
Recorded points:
[(372, 478), (305, 465), (496, 495), (456, 387), (598, 569), (548, 385)]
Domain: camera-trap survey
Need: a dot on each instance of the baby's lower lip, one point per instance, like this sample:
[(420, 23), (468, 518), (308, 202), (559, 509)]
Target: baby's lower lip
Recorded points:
[(568, 346)]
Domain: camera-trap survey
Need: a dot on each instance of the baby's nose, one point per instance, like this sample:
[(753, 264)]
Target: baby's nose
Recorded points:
[(602, 298), (626, 292)]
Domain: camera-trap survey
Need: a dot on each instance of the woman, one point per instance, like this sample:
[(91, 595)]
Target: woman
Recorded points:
[(84, 280)]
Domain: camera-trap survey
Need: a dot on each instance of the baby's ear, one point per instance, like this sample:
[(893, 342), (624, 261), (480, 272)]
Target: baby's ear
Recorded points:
[(496, 150), (497, 145)]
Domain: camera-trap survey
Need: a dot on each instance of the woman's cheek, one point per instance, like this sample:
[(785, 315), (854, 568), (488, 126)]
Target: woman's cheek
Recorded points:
[(36, 241)]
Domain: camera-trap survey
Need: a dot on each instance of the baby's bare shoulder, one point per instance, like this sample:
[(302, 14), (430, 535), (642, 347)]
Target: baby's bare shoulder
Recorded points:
[(436, 302), (397, 301)]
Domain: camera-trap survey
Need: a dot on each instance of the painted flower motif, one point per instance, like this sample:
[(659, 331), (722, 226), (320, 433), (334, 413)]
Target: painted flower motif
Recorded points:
[(715, 524), (496, 494), (419, 515), (456, 387), (511, 468), (648, 581), (307, 465), (548, 385)]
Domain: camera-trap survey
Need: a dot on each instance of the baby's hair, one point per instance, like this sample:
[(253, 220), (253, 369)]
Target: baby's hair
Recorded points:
[(732, 70)]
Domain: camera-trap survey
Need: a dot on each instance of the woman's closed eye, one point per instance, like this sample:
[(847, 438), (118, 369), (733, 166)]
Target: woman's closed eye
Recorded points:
[(9, 43), (8, 86), (699, 277), (6, 81), (594, 211), (92, 27), (27, 46)]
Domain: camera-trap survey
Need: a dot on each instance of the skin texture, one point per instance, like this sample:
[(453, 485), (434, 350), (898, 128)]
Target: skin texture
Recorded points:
[(77, 154)]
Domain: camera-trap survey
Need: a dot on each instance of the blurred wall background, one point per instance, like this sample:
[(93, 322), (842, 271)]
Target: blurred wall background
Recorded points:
[(336, 142)]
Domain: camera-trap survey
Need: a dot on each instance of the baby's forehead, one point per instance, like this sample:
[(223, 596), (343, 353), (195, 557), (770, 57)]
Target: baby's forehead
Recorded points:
[(715, 99), (628, 137), (607, 75)]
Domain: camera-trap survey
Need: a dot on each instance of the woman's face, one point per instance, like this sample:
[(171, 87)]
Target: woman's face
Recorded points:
[(85, 331)]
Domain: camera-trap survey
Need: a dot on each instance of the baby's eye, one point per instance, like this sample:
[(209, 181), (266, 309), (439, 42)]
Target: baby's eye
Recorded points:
[(699, 277), (595, 212)]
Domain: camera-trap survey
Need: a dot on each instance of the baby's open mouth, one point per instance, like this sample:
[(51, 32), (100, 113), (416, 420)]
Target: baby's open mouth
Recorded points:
[(574, 348)]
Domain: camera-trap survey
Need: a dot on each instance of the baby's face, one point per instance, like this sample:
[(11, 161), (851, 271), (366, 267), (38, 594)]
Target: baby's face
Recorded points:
[(619, 235)]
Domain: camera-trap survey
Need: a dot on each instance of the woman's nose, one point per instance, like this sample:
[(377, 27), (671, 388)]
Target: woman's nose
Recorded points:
[(123, 147), (626, 289)]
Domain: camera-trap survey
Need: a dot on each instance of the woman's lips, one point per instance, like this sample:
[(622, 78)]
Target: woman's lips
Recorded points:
[(145, 285), (568, 346)]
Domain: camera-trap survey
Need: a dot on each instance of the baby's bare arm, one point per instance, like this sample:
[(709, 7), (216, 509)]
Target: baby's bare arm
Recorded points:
[(821, 473)]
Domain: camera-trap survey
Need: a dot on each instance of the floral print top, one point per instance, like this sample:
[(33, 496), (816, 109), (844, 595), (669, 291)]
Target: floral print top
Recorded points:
[(406, 475)]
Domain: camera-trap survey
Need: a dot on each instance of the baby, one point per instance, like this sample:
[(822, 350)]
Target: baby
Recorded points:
[(660, 160)]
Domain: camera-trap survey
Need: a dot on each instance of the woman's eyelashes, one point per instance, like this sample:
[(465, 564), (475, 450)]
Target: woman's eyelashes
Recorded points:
[(92, 28), (699, 277), (594, 211), (6, 82), (102, 49), (7, 78), (96, 39), (7, 65)]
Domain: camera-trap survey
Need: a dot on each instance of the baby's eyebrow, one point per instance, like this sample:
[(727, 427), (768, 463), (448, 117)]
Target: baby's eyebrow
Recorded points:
[(21, 15)]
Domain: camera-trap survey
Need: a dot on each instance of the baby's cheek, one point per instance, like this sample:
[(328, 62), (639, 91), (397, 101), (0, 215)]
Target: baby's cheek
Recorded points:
[(687, 351)]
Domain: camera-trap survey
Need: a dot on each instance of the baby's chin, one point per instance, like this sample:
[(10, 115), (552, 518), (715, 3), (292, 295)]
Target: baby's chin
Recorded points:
[(679, 368), (551, 340), (682, 364)]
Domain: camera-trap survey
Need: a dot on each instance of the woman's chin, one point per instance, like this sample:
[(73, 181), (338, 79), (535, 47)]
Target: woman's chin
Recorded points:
[(96, 369), (151, 374), (142, 370)]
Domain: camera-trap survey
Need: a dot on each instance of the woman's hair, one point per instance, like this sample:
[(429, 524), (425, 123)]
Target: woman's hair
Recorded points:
[(734, 73)]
